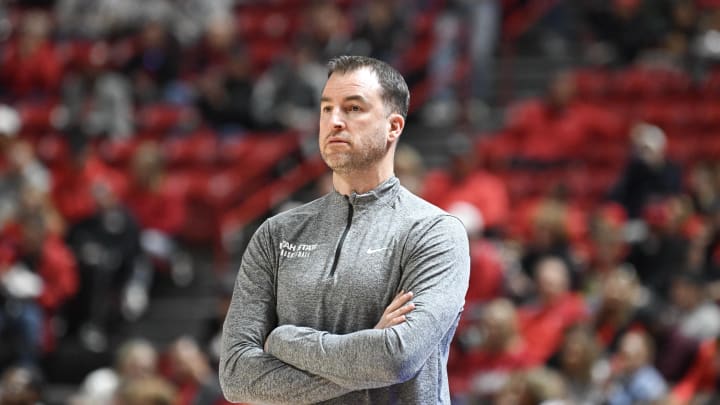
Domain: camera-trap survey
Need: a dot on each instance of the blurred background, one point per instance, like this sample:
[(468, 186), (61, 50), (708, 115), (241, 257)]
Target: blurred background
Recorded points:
[(142, 143)]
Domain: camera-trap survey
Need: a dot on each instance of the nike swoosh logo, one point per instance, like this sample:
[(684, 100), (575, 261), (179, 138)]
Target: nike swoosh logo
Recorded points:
[(371, 251)]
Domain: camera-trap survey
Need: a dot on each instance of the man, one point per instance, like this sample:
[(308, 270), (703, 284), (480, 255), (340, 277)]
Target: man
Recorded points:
[(321, 309)]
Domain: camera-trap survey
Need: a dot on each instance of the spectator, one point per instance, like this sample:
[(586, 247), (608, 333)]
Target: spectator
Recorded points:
[(23, 171), (634, 379), (540, 385), (217, 45), (582, 367), (154, 64), (30, 65), (197, 383), (107, 245), (608, 248), (224, 95), (662, 252), (135, 359), (286, 95), (409, 167), (550, 226), (555, 309), (97, 101), (699, 384), (21, 386), (160, 212), (488, 353), (619, 308), (674, 50), (381, 31), (649, 175), (696, 316), (146, 391), (466, 181), (626, 27), (72, 183), (38, 274), (704, 186), (325, 30)]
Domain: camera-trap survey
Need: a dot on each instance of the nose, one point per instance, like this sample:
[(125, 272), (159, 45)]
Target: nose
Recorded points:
[(337, 120)]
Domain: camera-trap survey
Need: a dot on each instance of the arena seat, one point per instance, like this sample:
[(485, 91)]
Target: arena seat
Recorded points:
[(592, 84), (195, 150), (268, 197), (36, 117), (162, 118)]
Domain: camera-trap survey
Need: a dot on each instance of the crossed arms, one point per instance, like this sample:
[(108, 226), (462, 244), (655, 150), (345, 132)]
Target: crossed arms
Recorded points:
[(304, 365)]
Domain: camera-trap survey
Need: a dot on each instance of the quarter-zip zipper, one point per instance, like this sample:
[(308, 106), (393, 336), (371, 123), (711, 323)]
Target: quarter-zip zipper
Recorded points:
[(342, 239)]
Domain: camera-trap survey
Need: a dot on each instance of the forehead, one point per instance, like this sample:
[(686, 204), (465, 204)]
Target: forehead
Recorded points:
[(363, 82)]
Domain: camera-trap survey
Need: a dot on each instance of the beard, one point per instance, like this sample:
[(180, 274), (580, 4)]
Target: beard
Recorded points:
[(357, 157)]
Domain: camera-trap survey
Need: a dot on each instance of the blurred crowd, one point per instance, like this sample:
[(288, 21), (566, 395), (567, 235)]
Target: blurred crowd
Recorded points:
[(593, 213)]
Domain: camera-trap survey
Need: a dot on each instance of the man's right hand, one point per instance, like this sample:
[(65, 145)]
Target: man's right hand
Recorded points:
[(395, 312)]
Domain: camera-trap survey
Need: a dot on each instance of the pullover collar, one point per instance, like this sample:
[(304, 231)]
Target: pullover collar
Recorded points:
[(382, 194)]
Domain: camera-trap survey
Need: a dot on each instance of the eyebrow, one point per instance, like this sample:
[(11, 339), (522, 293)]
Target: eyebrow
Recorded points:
[(355, 97)]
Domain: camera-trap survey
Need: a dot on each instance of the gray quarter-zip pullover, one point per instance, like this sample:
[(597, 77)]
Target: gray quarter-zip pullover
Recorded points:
[(315, 280)]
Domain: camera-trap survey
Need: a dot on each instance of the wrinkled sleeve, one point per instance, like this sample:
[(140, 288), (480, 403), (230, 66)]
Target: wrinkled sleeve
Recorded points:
[(247, 372), (436, 270)]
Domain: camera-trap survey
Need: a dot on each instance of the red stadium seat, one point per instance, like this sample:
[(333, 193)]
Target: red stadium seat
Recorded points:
[(36, 118), (199, 149), (592, 84), (161, 118), (117, 153)]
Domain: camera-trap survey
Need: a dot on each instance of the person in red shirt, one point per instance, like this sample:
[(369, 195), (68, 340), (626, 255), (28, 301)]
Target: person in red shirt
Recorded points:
[(557, 308), (700, 383), (72, 186), (489, 351), (160, 211), (487, 271), (467, 181), (37, 275), (30, 64)]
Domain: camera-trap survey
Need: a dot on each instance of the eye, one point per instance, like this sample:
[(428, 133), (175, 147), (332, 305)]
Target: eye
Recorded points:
[(326, 109), (354, 108)]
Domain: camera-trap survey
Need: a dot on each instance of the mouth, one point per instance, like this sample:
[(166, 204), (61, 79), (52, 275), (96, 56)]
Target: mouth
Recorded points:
[(337, 141)]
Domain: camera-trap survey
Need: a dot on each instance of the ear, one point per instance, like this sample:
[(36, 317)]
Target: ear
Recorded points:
[(397, 124)]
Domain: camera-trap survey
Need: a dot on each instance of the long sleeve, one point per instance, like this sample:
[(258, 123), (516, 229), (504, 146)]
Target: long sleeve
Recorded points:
[(436, 270), (701, 375), (59, 272), (247, 373)]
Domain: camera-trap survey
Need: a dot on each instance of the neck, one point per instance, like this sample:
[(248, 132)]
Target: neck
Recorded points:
[(361, 181)]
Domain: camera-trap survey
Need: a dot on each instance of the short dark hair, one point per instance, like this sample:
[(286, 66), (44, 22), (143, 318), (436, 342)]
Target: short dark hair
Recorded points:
[(395, 91)]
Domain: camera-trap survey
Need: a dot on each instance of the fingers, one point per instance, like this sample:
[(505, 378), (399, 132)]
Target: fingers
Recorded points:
[(395, 312), (401, 311), (395, 321), (401, 299)]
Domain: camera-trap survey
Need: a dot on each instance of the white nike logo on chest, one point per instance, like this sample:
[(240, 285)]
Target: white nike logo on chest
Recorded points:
[(371, 251)]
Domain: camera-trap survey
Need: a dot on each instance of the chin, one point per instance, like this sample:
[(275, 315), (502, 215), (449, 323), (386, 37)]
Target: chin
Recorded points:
[(335, 161)]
